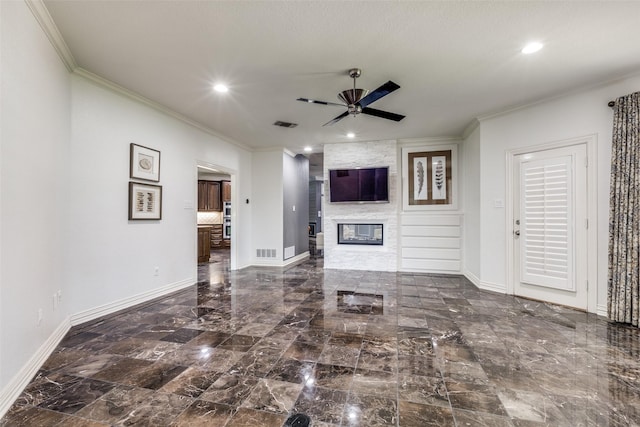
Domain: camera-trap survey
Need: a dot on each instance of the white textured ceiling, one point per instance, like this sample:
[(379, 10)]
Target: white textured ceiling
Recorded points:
[(453, 60)]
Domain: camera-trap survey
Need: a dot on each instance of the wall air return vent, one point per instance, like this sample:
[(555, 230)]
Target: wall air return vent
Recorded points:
[(265, 253), (285, 124)]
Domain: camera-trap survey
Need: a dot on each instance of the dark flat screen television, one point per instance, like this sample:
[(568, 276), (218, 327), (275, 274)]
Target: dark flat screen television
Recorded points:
[(362, 185)]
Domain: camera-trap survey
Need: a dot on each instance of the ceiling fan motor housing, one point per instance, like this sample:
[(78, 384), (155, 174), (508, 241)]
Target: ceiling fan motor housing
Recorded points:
[(352, 96)]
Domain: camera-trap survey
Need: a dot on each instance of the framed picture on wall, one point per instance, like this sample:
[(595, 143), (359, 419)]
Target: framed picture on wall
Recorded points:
[(145, 163), (145, 201), (429, 177)]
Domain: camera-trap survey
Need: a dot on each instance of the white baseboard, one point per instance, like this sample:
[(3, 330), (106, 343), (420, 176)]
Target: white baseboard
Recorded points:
[(472, 278), (493, 287), (265, 263), (485, 286), (112, 307), (601, 310), (17, 384), (278, 263), (19, 381), (428, 271), (341, 267), (296, 259), (243, 266)]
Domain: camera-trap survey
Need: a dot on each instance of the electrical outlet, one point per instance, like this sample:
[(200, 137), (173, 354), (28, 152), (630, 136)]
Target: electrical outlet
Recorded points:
[(156, 271)]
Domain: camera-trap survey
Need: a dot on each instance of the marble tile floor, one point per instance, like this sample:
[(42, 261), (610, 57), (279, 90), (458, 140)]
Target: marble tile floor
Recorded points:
[(345, 348)]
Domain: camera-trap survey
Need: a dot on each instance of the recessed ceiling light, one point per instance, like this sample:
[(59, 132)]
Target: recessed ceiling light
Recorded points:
[(531, 48), (222, 88), (308, 149), (351, 135)]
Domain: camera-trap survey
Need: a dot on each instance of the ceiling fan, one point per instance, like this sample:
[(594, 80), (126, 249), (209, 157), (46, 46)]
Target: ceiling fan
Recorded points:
[(357, 100)]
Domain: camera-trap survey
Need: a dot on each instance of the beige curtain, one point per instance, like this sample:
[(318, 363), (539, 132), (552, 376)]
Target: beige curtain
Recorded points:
[(624, 212)]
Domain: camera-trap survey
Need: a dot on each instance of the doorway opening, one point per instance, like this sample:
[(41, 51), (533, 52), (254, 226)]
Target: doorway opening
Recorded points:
[(216, 215)]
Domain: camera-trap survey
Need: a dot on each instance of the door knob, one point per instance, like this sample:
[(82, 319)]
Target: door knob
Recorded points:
[(516, 232)]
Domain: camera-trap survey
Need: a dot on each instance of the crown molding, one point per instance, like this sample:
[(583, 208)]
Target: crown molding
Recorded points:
[(108, 84), (475, 123), (41, 13), (575, 91), (361, 141), (270, 148), (289, 152), (429, 140)]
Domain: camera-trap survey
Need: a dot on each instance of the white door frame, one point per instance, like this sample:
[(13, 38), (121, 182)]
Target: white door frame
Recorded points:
[(592, 212), (234, 209)]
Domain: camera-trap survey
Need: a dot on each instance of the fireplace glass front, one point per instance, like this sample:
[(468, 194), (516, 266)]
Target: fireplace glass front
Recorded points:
[(360, 234)]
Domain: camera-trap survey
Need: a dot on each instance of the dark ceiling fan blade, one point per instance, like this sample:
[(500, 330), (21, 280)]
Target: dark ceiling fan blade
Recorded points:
[(313, 101), (383, 90), (337, 119), (383, 114)]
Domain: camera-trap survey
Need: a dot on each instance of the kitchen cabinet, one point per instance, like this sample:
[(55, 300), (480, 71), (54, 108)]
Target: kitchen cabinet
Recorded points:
[(216, 236), (204, 243), (209, 196), (226, 191), (202, 199)]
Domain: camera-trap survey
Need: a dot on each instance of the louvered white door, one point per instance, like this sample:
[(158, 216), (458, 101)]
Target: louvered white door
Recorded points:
[(550, 226)]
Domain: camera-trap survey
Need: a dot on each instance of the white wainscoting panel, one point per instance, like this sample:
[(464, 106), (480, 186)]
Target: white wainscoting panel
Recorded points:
[(431, 243)]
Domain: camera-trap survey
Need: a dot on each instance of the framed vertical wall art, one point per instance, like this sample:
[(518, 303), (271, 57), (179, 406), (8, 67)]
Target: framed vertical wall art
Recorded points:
[(145, 163), (429, 177), (145, 201)]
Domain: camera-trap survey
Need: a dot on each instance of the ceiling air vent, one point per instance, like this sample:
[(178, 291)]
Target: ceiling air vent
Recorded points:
[(285, 124)]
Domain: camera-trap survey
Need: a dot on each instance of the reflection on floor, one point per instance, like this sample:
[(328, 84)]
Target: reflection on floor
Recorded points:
[(345, 348), (220, 257)]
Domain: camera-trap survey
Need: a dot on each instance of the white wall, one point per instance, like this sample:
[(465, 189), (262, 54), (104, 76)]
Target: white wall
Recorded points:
[(35, 125), (110, 257), (470, 178), (64, 175), (295, 206), (267, 205), (381, 258), (580, 114)]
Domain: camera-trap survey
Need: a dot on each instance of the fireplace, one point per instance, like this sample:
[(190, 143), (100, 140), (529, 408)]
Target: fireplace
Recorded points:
[(360, 234)]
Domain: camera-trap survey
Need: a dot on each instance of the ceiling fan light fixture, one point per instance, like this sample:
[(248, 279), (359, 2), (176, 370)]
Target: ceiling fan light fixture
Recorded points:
[(351, 135)]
